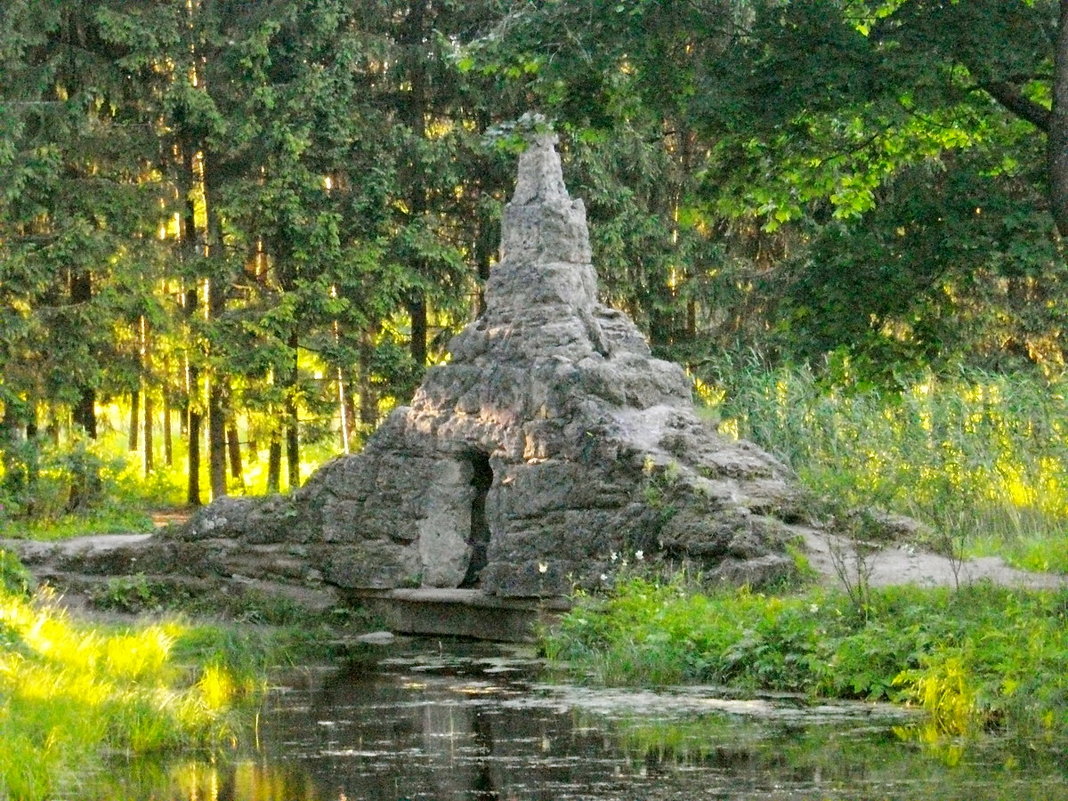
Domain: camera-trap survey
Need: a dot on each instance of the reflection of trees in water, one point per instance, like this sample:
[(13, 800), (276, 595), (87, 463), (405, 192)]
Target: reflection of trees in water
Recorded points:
[(202, 779), (483, 785), (855, 759), (269, 781), (444, 737), (431, 735)]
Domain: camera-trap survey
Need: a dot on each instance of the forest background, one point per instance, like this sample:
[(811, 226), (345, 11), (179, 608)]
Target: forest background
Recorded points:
[(234, 233)]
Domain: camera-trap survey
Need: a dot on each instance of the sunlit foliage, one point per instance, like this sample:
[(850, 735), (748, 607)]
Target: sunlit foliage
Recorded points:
[(981, 457), (71, 693), (979, 657)]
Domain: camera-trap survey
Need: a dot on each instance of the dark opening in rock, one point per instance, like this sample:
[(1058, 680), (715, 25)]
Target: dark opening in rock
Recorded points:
[(481, 480)]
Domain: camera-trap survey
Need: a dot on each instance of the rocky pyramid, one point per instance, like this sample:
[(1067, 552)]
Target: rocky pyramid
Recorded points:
[(551, 445)]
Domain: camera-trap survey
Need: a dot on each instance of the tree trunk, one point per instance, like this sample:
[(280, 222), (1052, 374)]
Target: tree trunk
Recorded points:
[(343, 411), (368, 397), (292, 417), (149, 458), (218, 390), (183, 418), (1052, 121), (1057, 136), (217, 393), (193, 418), (192, 492), (350, 414), (52, 430), (417, 314), (292, 446), (168, 442), (193, 415), (412, 37), (217, 438), (343, 403), (484, 250), (188, 180), (274, 465), (84, 411), (233, 447), (135, 425)]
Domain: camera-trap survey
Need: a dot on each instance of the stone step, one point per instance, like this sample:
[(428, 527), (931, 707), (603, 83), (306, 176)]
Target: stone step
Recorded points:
[(460, 613)]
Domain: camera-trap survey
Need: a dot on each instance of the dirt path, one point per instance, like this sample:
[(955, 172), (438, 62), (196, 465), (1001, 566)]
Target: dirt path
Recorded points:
[(908, 565), (166, 517)]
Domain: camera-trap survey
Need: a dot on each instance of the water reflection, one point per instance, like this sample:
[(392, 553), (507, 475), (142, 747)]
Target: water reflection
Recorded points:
[(474, 725)]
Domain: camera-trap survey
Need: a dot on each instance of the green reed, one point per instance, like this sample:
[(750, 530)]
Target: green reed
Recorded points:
[(982, 458)]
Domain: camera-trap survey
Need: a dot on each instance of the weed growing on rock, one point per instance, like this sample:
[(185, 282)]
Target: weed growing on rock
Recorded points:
[(14, 578)]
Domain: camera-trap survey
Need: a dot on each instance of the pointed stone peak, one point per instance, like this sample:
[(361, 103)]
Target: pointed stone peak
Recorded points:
[(542, 224), (541, 178), (550, 442)]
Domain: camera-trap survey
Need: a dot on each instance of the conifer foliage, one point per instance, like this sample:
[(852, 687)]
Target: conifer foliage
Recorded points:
[(256, 223)]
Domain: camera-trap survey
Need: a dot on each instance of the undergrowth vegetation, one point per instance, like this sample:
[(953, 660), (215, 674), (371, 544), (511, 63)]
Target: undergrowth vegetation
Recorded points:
[(52, 491), (73, 694), (975, 658), (981, 458)]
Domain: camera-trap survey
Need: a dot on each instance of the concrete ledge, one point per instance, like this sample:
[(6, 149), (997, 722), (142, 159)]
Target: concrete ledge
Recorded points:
[(460, 613)]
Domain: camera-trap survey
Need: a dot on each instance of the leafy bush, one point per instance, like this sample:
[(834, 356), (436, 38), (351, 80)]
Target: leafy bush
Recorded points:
[(14, 578), (980, 656), (43, 482), (130, 594)]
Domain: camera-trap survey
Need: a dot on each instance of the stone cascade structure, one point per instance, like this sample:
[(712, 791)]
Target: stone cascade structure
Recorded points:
[(551, 446)]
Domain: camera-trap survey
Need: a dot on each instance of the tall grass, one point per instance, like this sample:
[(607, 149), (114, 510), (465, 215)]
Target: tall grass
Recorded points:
[(974, 658), (982, 458), (70, 694)]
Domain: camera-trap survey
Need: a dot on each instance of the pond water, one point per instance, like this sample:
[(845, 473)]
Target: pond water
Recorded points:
[(466, 722)]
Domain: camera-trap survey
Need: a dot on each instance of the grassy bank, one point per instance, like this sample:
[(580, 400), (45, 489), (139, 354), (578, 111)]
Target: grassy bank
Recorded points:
[(72, 694), (982, 458), (975, 658)]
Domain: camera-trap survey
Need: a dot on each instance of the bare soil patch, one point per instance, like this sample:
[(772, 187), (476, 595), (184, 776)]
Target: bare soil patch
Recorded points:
[(906, 564)]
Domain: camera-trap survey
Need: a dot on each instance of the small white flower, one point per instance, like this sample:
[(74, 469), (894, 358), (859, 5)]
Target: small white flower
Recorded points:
[(615, 556), (639, 555), (543, 567), (604, 577), (813, 608)]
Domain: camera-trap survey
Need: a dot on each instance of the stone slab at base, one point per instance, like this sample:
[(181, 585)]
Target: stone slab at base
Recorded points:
[(460, 613)]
